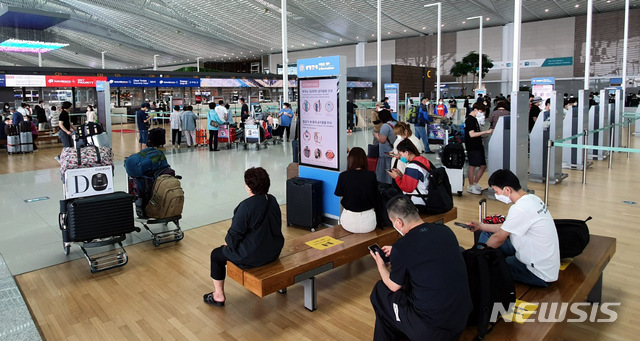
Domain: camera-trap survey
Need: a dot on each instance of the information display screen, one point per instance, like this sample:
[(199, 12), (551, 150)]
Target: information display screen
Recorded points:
[(319, 120)]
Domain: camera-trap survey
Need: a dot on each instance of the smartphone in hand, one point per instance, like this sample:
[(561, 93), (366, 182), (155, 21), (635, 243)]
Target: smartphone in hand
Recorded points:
[(376, 248), (468, 227)]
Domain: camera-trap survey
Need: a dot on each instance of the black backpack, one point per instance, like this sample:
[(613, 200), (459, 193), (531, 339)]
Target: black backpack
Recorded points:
[(453, 156), (573, 236), (490, 282), (385, 193), (440, 198)]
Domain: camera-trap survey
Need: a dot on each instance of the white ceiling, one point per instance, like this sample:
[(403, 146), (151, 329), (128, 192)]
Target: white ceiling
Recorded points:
[(132, 31)]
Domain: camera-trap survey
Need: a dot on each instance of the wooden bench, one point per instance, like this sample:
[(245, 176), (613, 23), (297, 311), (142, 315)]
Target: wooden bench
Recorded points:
[(300, 263), (580, 281)]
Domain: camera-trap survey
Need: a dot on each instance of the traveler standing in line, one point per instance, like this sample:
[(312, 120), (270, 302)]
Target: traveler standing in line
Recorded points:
[(375, 119), (189, 126), (144, 122), (16, 116), (385, 103), (23, 109), (215, 118), (54, 117), (65, 125), (501, 110), (475, 148), (453, 105), (91, 114), (440, 109), (286, 116), (534, 111), (229, 118), (426, 294), (244, 112), (5, 109), (358, 191), (385, 138), (41, 115), (351, 116), (34, 131), (255, 236), (528, 237), (176, 124), (422, 121)]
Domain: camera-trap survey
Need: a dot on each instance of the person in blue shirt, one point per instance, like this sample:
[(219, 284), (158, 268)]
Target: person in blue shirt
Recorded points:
[(385, 103), (215, 118), (189, 120), (16, 116), (420, 127), (286, 116), (144, 120)]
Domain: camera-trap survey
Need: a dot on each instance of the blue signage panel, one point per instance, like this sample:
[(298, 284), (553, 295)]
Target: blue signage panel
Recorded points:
[(153, 82), (3, 81), (319, 67), (543, 81), (389, 86)]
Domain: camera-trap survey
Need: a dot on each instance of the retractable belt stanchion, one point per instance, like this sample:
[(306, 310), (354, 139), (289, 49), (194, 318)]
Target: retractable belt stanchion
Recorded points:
[(611, 145), (547, 178), (585, 138), (628, 136)]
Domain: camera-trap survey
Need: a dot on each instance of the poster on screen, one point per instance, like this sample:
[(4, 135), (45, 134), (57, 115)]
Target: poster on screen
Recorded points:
[(319, 122)]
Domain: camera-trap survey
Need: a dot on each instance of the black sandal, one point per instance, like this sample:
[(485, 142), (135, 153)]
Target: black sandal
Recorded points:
[(208, 299)]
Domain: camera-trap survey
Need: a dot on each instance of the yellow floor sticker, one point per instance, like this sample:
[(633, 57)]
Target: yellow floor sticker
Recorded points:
[(522, 312), (565, 262), (323, 243)]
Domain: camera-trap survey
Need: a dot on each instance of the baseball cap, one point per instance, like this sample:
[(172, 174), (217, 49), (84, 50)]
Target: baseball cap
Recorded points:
[(536, 99), (145, 105)]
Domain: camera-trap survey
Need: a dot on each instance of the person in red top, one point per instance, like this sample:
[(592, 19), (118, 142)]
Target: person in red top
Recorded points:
[(415, 180), (440, 109)]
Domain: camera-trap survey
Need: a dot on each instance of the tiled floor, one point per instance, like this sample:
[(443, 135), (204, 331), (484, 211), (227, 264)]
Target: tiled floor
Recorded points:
[(30, 238)]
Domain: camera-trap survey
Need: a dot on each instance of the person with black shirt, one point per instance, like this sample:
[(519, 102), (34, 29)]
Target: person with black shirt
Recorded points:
[(66, 127), (41, 115), (351, 119), (255, 236), (358, 188), (385, 103), (426, 294), (143, 119), (244, 111), (475, 149), (534, 111)]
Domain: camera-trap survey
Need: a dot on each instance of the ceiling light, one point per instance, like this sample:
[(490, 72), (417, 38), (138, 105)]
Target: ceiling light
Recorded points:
[(442, 25), (577, 5), (314, 43), (546, 10), (405, 31), (16, 45), (357, 37), (424, 28), (340, 39), (464, 22), (488, 19), (373, 35), (388, 32), (327, 42)]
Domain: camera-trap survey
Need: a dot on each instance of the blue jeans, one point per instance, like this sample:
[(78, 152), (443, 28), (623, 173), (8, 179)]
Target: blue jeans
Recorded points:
[(421, 133), (519, 271), (144, 136)]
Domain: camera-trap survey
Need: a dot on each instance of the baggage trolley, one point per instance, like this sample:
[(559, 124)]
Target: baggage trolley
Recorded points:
[(227, 133), (73, 218), (254, 133), (167, 235)]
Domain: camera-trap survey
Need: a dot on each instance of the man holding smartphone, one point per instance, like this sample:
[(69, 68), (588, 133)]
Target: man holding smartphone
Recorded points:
[(426, 294)]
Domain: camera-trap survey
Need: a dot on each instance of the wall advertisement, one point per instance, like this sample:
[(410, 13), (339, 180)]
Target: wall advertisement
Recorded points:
[(319, 122)]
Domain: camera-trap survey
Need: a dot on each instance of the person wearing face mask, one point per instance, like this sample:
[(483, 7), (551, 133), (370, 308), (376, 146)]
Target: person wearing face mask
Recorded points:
[(415, 180), (422, 121), (534, 111), (426, 294), (403, 131), (286, 115), (440, 109), (255, 236), (527, 238), (475, 148), (375, 119)]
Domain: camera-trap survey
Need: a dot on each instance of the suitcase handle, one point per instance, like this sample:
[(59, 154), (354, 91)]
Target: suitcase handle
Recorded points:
[(79, 153), (482, 209)]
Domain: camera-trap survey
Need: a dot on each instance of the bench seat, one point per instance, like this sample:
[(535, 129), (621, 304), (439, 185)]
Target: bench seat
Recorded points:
[(299, 262), (581, 281)]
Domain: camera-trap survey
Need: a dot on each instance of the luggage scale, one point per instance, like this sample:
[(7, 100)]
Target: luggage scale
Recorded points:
[(100, 262)]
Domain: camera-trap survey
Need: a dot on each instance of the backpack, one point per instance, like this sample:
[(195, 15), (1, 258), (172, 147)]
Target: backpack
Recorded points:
[(489, 282), (440, 198), (147, 160), (412, 115), (453, 156), (385, 193), (573, 236), (167, 199)]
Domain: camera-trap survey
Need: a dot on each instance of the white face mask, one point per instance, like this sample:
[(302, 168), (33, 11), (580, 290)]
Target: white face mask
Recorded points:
[(480, 118), (441, 102), (503, 198), (394, 226)]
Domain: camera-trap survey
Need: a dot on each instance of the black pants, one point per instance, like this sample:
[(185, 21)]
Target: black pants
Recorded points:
[(350, 124), (396, 319), (176, 136), (213, 137), (288, 130), (218, 264)]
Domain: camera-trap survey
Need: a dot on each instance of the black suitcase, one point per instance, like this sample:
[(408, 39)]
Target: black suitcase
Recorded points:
[(453, 156), (304, 203), (157, 137), (100, 216), (295, 147), (93, 128)]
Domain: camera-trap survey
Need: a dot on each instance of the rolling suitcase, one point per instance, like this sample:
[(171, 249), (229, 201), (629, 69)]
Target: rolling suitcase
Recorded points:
[(157, 137), (304, 203), (453, 156), (201, 137), (13, 144), (100, 140), (26, 142)]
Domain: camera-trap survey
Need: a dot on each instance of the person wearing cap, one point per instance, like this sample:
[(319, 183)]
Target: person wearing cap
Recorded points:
[(143, 124), (65, 125), (534, 111)]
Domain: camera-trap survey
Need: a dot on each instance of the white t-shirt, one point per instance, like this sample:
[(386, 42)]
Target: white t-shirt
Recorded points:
[(534, 236), (222, 113), (175, 119)]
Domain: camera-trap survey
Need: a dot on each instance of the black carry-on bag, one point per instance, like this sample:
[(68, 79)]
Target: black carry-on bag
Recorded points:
[(98, 221), (304, 203)]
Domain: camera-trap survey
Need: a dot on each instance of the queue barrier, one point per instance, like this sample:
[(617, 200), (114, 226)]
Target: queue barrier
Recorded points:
[(584, 146)]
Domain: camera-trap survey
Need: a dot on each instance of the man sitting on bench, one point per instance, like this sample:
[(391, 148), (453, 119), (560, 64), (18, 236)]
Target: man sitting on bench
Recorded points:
[(426, 295), (528, 237)]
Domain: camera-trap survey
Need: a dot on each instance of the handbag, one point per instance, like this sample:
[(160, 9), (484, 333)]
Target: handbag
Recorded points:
[(214, 124)]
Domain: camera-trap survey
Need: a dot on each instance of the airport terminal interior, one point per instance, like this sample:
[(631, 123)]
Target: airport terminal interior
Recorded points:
[(190, 53)]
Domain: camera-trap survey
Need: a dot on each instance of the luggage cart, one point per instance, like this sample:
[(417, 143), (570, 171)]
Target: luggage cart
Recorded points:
[(227, 133), (103, 261), (254, 133)]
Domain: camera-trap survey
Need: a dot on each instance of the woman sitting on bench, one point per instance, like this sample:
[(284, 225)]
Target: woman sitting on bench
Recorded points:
[(255, 236)]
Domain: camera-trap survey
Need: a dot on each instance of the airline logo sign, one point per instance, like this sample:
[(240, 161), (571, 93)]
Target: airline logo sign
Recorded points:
[(153, 82), (73, 81), (26, 80)]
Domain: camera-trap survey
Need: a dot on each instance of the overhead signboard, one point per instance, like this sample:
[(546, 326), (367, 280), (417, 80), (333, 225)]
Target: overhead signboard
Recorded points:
[(319, 67), (26, 80), (73, 81)]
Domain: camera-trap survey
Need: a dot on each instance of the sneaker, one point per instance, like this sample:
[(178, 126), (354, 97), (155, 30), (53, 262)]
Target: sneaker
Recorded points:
[(57, 158), (471, 189), (478, 187)]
